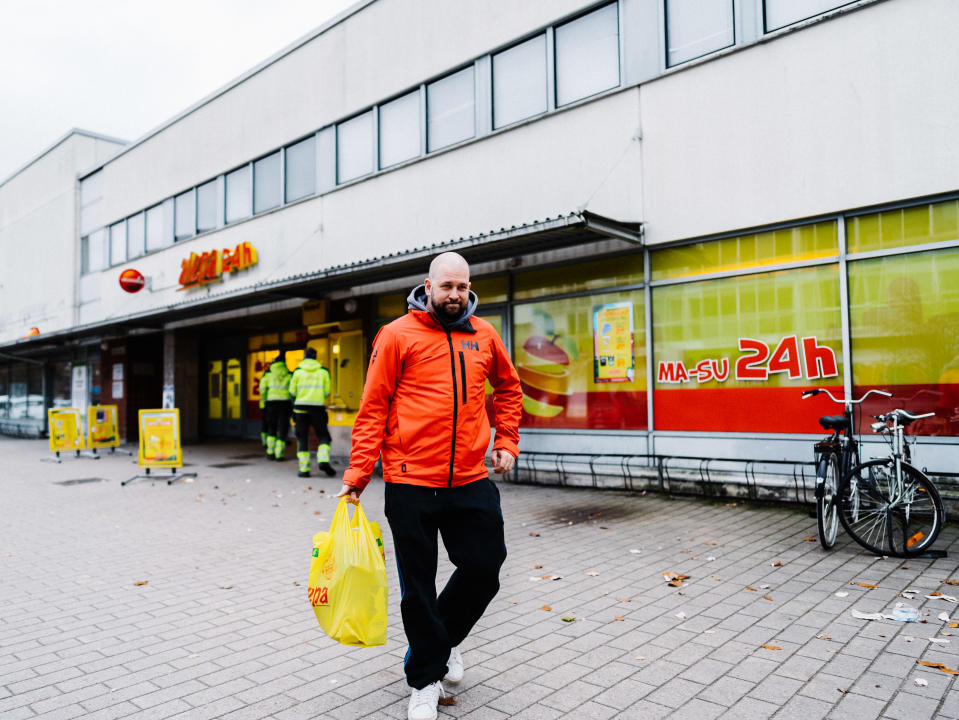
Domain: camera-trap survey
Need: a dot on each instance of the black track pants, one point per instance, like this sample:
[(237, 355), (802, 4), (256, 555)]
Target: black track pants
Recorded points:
[(306, 415), (470, 521), (278, 418)]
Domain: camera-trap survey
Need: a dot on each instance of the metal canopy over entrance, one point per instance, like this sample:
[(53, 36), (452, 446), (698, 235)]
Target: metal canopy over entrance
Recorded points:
[(577, 228)]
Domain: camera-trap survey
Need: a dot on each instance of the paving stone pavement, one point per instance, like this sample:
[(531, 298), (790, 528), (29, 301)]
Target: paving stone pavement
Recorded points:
[(189, 601)]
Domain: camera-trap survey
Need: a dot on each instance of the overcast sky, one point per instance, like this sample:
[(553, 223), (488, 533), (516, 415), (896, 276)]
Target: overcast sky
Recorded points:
[(122, 67)]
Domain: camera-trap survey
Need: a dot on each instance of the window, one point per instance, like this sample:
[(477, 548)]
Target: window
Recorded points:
[(587, 55), (301, 169), (136, 238), (914, 225), (354, 148), (780, 13), (91, 194), (591, 275), (581, 361), (206, 207), (93, 251), (118, 243), (770, 247), (185, 208), (904, 311), (697, 27), (267, 183), (400, 130), (239, 195), (159, 225), (519, 82), (733, 353), (450, 117)]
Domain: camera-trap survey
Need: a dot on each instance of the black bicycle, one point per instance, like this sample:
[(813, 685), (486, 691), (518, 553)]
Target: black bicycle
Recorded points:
[(886, 505)]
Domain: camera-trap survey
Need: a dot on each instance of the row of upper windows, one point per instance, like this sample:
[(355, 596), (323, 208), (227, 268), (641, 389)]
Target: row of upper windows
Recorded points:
[(582, 56)]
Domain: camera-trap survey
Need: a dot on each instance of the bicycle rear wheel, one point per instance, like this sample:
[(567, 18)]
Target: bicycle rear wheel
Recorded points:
[(827, 507), (883, 519)]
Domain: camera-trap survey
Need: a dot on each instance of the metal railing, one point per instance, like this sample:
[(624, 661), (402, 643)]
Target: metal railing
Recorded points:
[(747, 478)]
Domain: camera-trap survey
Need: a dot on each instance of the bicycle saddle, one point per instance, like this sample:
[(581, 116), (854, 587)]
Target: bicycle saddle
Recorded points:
[(833, 422)]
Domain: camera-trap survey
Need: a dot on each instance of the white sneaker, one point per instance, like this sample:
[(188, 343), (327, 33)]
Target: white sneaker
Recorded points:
[(423, 702), (454, 667)]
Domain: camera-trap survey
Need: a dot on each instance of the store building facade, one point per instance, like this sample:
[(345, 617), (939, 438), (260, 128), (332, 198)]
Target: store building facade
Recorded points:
[(678, 215)]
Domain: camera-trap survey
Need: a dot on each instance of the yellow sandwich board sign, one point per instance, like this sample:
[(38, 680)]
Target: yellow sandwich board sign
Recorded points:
[(66, 430), (160, 438), (102, 426)]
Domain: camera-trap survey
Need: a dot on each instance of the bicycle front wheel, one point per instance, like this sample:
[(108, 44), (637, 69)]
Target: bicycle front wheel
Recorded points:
[(827, 507), (890, 516)]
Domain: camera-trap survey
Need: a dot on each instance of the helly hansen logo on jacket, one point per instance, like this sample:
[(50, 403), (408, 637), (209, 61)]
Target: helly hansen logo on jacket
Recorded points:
[(469, 344)]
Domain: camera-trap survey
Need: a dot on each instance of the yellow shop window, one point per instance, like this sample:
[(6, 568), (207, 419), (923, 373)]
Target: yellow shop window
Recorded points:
[(772, 247), (906, 226), (608, 272), (391, 306)]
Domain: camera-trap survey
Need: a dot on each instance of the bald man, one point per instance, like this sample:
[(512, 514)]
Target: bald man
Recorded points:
[(424, 412)]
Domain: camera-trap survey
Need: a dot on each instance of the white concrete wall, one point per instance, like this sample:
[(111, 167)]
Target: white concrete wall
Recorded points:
[(38, 237), (856, 110)]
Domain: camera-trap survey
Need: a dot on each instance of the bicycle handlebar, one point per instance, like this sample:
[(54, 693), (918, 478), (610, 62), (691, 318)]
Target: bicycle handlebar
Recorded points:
[(810, 393)]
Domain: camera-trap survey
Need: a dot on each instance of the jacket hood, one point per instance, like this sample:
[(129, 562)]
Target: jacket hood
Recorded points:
[(416, 300), (309, 364), (279, 367)]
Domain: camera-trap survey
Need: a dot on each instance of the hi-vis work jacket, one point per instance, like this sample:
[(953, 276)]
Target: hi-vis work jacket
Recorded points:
[(310, 385), (424, 402), (275, 383)]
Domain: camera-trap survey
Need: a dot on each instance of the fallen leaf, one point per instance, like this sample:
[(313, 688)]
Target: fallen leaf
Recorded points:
[(938, 666), (534, 534), (617, 617), (763, 587), (842, 593), (537, 567), (640, 657), (711, 543), (446, 700), (296, 583), (824, 637), (810, 539), (776, 564), (954, 624), (317, 512), (751, 589), (921, 682), (674, 579), (865, 585), (950, 582), (623, 599), (843, 690), (141, 582), (710, 558), (593, 573), (546, 607), (772, 647), (225, 587), (768, 597), (681, 615), (568, 618)]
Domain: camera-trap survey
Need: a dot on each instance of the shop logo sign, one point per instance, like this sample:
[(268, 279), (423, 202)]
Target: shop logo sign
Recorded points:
[(198, 270), (758, 362)]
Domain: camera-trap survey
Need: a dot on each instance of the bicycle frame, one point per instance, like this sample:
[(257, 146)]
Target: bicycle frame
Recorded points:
[(842, 441)]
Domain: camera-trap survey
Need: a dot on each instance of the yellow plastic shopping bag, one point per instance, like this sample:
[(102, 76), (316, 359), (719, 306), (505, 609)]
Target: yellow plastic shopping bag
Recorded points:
[(347, 586)]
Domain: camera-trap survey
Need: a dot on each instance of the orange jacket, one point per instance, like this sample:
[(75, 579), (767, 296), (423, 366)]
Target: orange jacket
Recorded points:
[(424, 403)]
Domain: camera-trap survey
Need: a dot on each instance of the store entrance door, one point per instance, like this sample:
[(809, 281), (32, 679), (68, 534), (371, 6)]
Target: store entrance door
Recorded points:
[(224, 392)]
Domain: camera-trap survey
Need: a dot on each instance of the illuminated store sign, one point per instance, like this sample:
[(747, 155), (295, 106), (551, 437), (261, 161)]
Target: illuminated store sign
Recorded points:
[(209, 266)]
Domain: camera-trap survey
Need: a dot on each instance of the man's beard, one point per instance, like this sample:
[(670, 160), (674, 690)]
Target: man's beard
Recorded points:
[(445, 310)]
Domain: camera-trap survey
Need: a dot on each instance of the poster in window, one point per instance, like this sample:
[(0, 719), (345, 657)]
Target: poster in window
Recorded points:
[(613, 359)]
